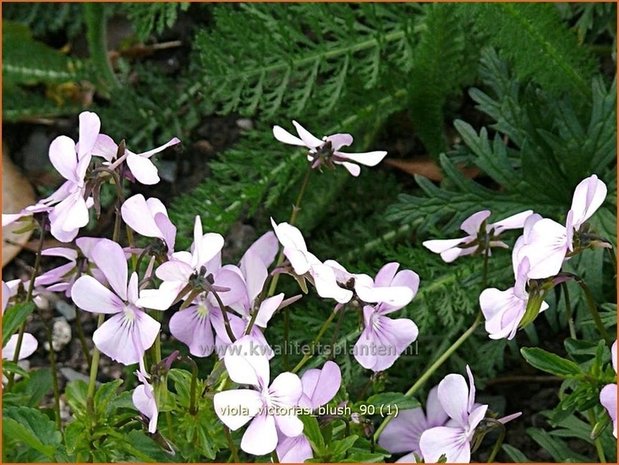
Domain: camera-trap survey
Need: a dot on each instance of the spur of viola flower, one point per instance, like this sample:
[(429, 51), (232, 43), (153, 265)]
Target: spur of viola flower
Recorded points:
[(68, 206), (187, 274), (403, 433), (29, 343), (267, 407), (130, 331), (608, 394), (482, 236), (149, 218), (319, 387), (326, 151), (547, 243), (143, 398), (454, 439)]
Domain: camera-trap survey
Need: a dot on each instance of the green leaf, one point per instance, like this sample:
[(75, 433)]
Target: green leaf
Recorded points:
[(13, 318), (550, 363), (515, 454), (76, 393), (311, 430), (104, 395), (32, 428), (338, 449), (386, 403), (555, 447), (33, 389)]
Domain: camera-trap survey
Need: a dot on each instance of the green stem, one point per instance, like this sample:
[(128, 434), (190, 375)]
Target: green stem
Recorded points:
[(484, 276), (426, 375), (597, 441), (22, 328), (568, 311), (497, 444), (82, 337), (233, 453), (224, 312), (194, 385), (96, 34), (52, 362), (593, 310), (316, 340), (94, 369)]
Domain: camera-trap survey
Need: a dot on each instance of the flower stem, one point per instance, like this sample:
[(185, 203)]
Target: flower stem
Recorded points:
[(233, 453), (598, 443), (498, 443), (94, 369), (425, 376), (568, 311), (224, 312), (52, 362), (594, 311), (315, 341), (82, 338)]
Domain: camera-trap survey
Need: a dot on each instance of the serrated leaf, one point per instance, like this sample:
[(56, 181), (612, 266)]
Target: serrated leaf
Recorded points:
[(32, 428)]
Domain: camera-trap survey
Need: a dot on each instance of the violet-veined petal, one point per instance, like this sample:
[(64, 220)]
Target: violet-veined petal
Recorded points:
[(92, 296), (236, 407), (450, 441), (110, 259), (453, 393), (192, 326)]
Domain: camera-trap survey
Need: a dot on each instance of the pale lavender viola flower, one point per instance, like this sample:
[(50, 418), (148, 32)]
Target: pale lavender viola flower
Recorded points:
[(130, 331), (150, 219), (546, 243), (608, 394), (503, 310), (327, 150), (139, 164), (319, 387), (143, 398), (68, 206), (267, 408), (474, 225), (454, 439), (403, 433), (304, 262), (29, 343), (202, 261)]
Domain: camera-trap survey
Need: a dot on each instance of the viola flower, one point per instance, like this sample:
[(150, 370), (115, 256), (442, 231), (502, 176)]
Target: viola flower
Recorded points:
[(150, 219), (403, 433), (476, 228), (67, 207), (203, 263), (144, 400), (269, 408), (29, 343), (546, 243), (139, 164), (503, 310), (319, 387), (304, 262), (130, 331), (327, 150), (454, 440), (383, 339), (608, 394)]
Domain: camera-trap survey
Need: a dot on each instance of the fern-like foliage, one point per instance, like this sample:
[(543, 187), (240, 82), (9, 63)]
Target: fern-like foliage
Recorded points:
[(46, 18), (298, 56), (153, 18), (537, 42), (541, 150)]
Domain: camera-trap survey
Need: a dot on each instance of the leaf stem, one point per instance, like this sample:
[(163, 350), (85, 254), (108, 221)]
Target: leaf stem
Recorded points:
[(316, 340), (425, 376)]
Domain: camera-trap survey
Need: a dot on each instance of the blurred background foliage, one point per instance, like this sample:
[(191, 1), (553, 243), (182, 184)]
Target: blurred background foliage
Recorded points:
[(481, 106)]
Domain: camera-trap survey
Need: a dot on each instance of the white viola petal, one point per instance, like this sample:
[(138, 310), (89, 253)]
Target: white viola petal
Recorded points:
[(320, 386), (162, 298), (289, 236), (193, 328), (110, 259), (339, 140), (255, 273), (608, 398), (168, 230), (469, 374), (90, 295), (245, 363), (353, 169), (89, 128), (436, 415), (453, 393), (308, 138), (390, 338), (512, 222), (326, 284), (209, 245), (267, 309), (441, 245), (613, 355), (227, 277), (136, 213), (408, 458), (477, 415), (393, 296), (284, 136), (289, 423), (450, 255), (266, 247), (63, 157), (174, 270), (472, 224), (445, 440), (260, 437), (144, 170), (144, 401), (105, 147), (28, 346), (6, 295), (588, 197), (407, 278), (386, 274), (502, 311), (236, 407), (545, 248), (132, 288), (286, 390), (364, 158), (402, 434), (161, 148), (65, 252), (293, 450)]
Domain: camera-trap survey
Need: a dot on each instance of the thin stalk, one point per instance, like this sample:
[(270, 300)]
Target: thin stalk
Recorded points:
[(52, 362), (224, 312), (598, 443), (94, 369), (22, 328), (315, 341), (286, 339), (497, 444), (426, 375), (568, 311), (82, 337), (594, 311), (233, 453), (194, 385), (484, 276), (96, 33)]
